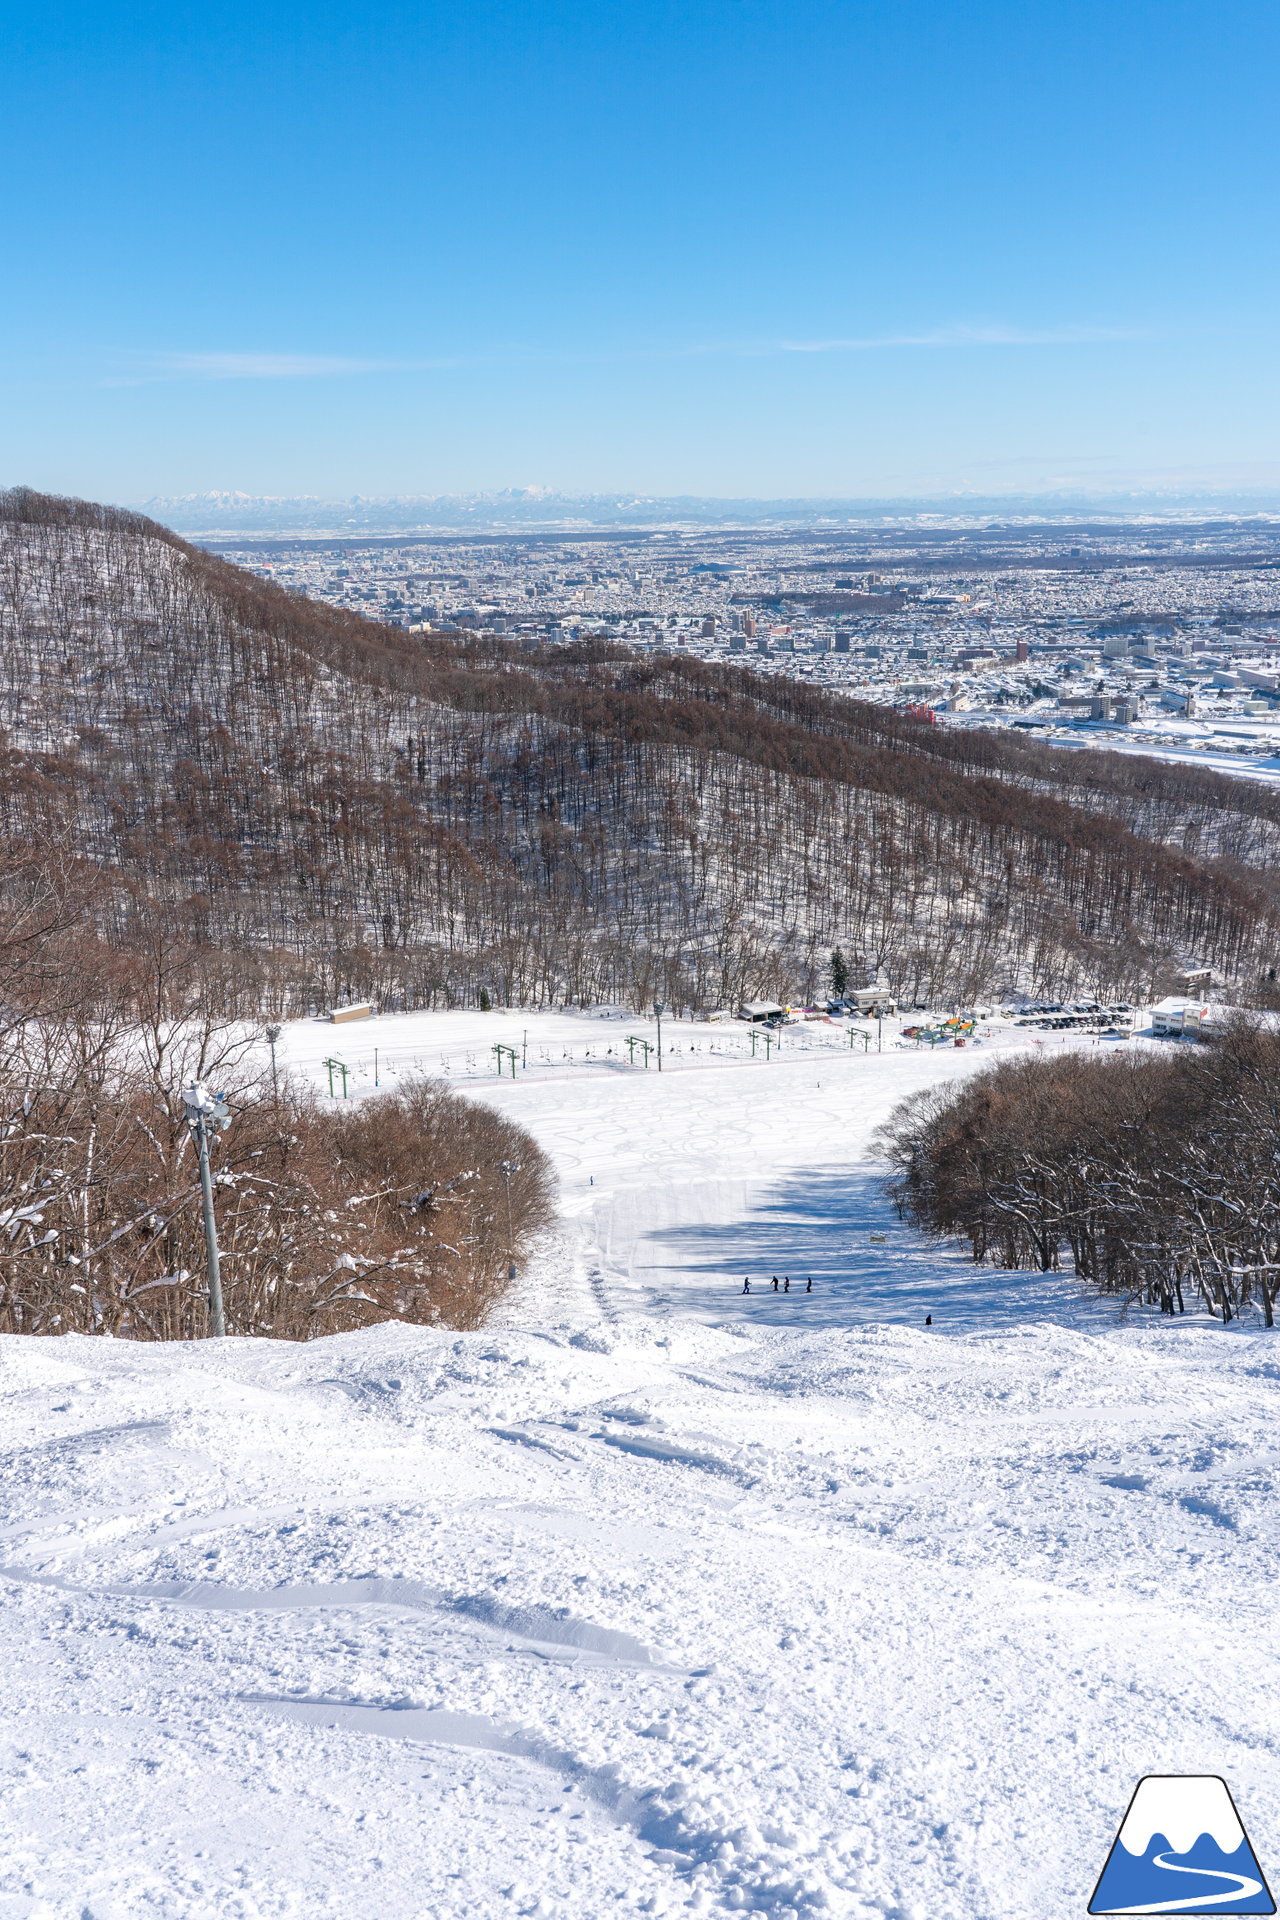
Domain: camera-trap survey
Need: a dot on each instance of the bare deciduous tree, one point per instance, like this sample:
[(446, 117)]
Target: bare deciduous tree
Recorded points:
[(1157, 1176)]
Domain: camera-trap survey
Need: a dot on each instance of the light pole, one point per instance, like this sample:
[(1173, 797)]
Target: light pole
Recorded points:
[(273, 1034), (508, 1168), (659, 1007), (207, 1112)]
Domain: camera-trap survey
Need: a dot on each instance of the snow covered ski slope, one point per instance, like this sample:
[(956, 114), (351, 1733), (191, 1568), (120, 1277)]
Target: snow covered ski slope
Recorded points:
[(654, 1600), (651, 1619), (676, 1186)]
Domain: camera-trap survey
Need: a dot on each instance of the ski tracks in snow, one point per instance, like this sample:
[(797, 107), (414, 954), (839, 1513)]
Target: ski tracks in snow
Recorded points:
[(649, 1598), (652, 1619)]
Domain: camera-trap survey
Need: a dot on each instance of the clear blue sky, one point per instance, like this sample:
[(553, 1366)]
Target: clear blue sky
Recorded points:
[(754, 247)]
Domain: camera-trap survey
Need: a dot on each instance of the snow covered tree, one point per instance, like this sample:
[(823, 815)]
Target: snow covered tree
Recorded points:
[(1158, 1176)]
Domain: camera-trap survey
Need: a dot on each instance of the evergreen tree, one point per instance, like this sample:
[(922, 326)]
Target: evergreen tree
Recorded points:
[(839, 975)]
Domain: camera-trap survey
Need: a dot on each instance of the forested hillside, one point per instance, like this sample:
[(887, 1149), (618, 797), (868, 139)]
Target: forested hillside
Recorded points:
[(334, 807)]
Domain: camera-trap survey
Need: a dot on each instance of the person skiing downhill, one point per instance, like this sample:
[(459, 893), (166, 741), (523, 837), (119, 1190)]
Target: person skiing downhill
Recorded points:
[(775, 1283), (746, 1286), (808, 1285), (786, 1285)]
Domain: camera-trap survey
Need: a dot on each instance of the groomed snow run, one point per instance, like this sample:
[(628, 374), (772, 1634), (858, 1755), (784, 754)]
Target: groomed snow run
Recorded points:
[(653, 1599)]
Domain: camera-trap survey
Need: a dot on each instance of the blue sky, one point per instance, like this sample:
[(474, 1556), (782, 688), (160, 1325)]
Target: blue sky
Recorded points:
[(736, 247)]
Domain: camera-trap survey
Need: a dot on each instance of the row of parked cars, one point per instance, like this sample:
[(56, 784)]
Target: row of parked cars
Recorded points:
[(1117, 1018)]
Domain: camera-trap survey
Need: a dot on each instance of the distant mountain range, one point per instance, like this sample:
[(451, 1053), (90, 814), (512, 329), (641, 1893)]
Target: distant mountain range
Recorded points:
[(539, 507)]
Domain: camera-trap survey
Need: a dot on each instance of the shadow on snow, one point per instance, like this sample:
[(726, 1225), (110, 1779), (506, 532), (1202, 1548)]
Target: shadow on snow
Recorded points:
[(821, 1225)]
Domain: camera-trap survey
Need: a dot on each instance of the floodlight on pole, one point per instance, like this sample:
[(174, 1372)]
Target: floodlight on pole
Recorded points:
[(659, 1008), (205, 1114), (273, 1034), (508, 1168)]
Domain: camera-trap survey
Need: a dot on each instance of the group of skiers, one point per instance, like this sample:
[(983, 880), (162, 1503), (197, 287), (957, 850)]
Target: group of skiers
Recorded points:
[(785, 1287)]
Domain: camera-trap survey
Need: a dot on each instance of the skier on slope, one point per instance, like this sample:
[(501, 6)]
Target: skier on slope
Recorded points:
[(775, 1283), (746, 1286), (808, 1285), (786, 1285)]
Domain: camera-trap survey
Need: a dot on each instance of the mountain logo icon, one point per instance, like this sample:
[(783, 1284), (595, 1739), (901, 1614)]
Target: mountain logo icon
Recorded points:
[(1182, 1848)]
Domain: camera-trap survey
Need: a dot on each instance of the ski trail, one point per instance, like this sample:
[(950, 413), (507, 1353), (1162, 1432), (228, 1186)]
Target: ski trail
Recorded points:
[(599, 1292)]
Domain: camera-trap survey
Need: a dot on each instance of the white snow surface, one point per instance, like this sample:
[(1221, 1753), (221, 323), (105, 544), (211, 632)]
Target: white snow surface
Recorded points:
[(654, 1598)]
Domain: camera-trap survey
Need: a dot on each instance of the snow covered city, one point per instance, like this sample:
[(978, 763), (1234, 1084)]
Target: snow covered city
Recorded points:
[(639, 962)]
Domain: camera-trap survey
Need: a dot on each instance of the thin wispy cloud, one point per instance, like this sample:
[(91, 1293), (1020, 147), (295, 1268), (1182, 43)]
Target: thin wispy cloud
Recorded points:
[(262, 366), (141, 369), (993, 336)]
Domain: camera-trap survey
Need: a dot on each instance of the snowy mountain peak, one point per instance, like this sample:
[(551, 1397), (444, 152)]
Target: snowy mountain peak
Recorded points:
[(1182, 1807)]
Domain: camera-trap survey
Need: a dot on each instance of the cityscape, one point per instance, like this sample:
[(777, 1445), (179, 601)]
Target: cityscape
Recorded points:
[(1162, 635)]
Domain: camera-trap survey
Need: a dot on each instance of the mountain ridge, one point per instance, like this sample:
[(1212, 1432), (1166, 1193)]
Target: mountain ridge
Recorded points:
[(336, 807)]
